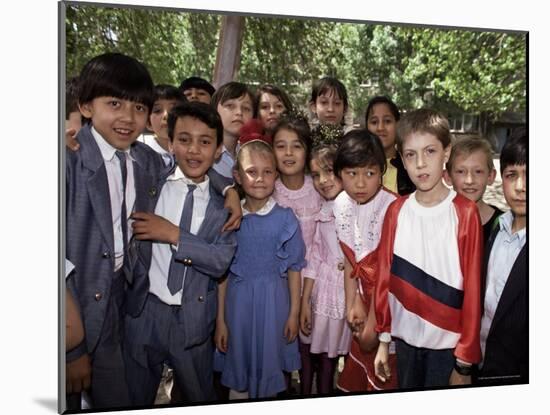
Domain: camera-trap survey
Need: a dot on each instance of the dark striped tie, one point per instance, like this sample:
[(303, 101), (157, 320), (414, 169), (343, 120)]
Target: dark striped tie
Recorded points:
[(175, 274)]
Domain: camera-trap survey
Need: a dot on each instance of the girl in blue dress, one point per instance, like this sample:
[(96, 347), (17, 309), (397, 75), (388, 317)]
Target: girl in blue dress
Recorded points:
[(258, 303)]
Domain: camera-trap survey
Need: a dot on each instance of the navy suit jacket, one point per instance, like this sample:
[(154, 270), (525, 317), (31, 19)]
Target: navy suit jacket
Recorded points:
[(507, 351), (203, 258), (89, 224)]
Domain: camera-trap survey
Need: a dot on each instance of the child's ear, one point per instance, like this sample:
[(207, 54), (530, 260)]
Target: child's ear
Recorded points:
[(492, 177), (447, 153), (447, 178), (86, 109)]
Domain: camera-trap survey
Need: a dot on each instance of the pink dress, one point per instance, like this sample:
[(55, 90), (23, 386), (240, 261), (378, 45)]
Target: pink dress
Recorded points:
[(305, 203), (330, 332)]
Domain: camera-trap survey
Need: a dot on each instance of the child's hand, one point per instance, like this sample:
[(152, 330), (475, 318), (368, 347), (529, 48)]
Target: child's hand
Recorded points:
[(148, 226), (291, 329), (305, 318), (220, 337), (233, 204), (79, 374), (381, 362), (458, 379), (70, 139), (357, 316)]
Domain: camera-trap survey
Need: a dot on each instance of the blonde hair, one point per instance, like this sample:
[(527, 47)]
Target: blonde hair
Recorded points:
[(257, 146), (467, 146)]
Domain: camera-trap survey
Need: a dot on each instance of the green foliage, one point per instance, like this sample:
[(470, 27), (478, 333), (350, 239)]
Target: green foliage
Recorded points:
[(451, 70), (172, 45)]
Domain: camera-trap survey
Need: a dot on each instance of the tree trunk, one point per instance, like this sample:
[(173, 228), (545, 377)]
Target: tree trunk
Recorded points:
[(229, 50)]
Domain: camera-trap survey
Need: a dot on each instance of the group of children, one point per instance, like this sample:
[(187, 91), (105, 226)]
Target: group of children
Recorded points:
[(239, 240)]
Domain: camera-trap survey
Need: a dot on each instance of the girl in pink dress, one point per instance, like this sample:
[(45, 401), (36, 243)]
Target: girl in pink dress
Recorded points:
[(323, 313), (294, 189)]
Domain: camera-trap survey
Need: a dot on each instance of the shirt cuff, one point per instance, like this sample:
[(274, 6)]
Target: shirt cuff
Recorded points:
[(226, 188), (384, 337)]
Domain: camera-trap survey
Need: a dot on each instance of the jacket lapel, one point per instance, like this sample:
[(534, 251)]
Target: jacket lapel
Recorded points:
[(212, 214), (516, 285), (98, 184)]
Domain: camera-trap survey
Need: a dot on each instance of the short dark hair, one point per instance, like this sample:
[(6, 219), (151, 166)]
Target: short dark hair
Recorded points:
[(423, 120), (231, 90), (164, 91), (359, 148), (115, 75), (327, 84), (196, 82), (275, 91), (514, 151), (382, 99), (199, 110)]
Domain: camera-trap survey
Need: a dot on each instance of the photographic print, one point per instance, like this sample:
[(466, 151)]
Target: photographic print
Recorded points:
[(267, 207)]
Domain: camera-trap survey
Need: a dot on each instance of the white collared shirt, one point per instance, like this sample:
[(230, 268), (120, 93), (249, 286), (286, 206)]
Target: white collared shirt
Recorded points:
[(504, 253), (268, 207), (114, 178), (170, 207)]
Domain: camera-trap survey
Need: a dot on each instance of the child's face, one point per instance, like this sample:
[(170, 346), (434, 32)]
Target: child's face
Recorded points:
[(158, 120), (256, 175), (361, 183), (270, 109), (194, 147), (329, 108), (289, 152), (424, 157), (514, 186), (119, 121), (325, 182), (470, 175), (197, 94), (234, 113), (382, 123)]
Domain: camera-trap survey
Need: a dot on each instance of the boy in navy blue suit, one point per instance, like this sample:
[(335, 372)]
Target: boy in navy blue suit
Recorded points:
[(107, 178), (504, 323), (181, 254)]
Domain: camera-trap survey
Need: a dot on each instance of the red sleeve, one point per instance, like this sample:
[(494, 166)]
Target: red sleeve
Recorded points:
[(470, 245), (385, 255)]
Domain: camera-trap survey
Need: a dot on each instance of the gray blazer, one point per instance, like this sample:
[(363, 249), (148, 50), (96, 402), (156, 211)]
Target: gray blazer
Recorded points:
[(89, 229), (206, 255)]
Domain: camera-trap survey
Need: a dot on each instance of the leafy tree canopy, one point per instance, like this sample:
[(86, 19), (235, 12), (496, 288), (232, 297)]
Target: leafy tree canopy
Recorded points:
[(451, 70)]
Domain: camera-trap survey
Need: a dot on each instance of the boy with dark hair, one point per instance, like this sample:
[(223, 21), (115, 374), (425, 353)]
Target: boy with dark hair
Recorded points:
[(197, 89), (106, 179), (182, 253), (427, 293), (235, 104), (504, 323), (165, 97), (470, 170)]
